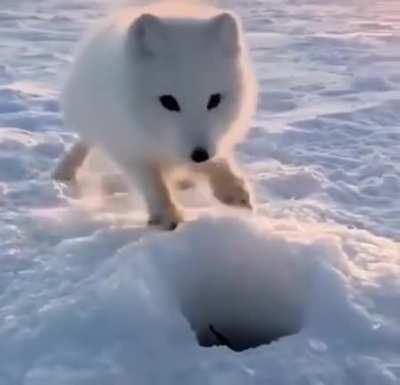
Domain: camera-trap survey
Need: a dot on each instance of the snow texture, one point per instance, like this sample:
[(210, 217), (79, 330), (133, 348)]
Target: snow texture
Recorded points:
[(305, 291)]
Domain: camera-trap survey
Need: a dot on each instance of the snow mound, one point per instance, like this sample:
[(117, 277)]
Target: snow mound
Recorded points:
[(109, 306), (237, 283)]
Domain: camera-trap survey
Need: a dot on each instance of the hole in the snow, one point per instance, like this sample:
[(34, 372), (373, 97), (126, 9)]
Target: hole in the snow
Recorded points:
[(239, 285), (239, 340), (239, 331)]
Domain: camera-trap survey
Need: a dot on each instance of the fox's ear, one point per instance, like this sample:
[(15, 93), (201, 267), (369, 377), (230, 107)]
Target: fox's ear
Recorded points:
[(225, 30), (147, 34)]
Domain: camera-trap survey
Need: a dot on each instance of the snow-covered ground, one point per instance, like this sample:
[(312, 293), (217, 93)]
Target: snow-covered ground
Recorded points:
[(88, 295)]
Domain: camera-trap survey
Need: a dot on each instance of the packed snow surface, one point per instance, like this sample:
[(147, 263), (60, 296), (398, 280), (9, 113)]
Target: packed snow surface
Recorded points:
[(304, 291)]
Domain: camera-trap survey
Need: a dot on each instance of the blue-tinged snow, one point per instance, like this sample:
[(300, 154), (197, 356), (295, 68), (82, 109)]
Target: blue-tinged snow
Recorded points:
[(89, 295)]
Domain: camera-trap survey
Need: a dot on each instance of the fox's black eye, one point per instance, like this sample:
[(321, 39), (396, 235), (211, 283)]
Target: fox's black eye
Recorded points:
[(214, 101), (170, 103)]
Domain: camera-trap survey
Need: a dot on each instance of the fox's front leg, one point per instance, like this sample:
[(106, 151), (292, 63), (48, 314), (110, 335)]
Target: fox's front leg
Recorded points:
[(161, 208), (69, 165), (227, 186)]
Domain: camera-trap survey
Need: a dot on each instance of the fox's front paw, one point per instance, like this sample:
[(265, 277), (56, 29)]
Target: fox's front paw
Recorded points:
[(233, 192), (169, 219)]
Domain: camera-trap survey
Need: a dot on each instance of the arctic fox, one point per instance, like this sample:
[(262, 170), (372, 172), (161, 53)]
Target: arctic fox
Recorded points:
[(162, 87)]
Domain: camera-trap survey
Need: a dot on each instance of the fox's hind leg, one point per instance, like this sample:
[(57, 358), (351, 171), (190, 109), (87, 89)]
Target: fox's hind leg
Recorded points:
[(69, 165)]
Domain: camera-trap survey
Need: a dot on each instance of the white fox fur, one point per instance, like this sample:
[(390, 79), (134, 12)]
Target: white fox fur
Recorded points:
[(112, 99)]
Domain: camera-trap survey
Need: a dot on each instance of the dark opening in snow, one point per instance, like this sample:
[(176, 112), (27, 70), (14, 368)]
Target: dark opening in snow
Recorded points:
[(240, 339), (237, 285), (242, 320)]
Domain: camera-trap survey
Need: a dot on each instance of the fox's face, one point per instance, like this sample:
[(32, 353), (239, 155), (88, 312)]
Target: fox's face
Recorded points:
[(190, 83)]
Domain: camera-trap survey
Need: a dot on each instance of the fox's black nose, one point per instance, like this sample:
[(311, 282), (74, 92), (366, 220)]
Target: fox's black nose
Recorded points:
[(200, 155)]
